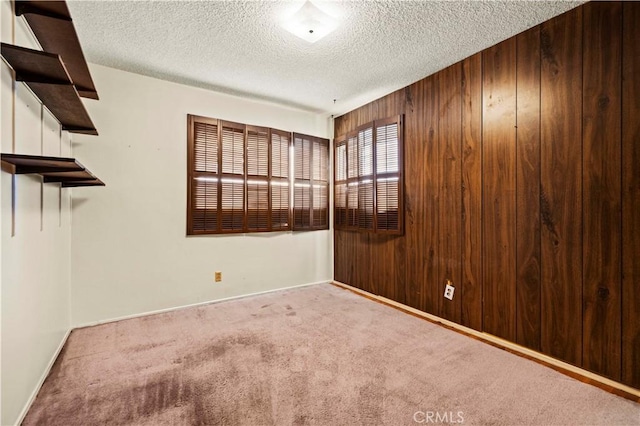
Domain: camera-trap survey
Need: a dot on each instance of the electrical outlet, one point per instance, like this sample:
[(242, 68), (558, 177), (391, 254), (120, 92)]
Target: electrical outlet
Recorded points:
[(449, 290), (218, 277)]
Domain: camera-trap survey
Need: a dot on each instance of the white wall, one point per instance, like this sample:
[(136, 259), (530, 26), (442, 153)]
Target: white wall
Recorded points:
[(130, 253), (126, 252), (35, 267)]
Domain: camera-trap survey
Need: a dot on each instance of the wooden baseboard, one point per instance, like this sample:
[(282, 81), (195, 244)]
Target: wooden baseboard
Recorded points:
[(567, 369)]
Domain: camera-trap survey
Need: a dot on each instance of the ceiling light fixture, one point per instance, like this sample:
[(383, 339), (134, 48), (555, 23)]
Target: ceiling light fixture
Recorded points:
[(310, 23)]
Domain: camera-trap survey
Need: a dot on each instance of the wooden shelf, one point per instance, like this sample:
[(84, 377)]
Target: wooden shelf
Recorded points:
[(76, 183), (52, 25), (58, 76), (75, 178), (63, 170), (47, 77), (26, 164)]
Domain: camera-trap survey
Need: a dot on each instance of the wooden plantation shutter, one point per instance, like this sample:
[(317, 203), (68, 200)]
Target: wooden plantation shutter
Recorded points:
[(204, 175), (372, 185), (389, 201), (239, 179), (311, 185), (352, 181), (232, 178), (279, 180), (258, 217), (340, 179), (365, 179), (320, 184), (302, 182)]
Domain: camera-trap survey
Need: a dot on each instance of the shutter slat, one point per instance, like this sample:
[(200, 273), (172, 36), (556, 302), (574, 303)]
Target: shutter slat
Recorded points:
[(258, 205), (341, 162), (340, 189), (232, 216), (257, 153), (387, 154), (302, 151), (279, 204), (279, 155), (365, 152), (340, 203), (320, 203), (388, 204), (320, 184), (365, 204), (280, 152), (203, 205), (205, 208), (302, 186), (324, 162), (301, 206), (232, 205), (352, 205), (316, 167), (206, 147), (232, 151), (388, 183), (352, 157)]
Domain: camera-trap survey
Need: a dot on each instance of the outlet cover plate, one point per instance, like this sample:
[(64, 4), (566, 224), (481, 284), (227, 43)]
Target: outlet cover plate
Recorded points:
[(448, 291)]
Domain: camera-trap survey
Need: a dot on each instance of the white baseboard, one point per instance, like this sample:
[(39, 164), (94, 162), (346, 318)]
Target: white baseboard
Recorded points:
[(514, 347), (46, 372), (192, 305)]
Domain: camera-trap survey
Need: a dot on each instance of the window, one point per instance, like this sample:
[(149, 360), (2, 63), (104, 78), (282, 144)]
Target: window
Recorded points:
[(311, 182), (239, 179), (368, 178)]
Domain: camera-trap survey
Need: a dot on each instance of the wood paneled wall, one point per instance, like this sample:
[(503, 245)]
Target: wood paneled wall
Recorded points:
[(522, 186)]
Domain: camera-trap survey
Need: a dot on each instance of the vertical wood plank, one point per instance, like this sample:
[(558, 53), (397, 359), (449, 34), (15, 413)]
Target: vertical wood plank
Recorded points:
[(384, 272), (388, 274), (415, 170), (338, 255), (400, 268), (499, 150), (343, 250), (471, 291), (601, 160), (432, 202), (631, 195), (342, 124), (450, 186), (528, 190), (561, 189), (366, 114), (398, 107), (364, 261), (377, 106), (352, 266)]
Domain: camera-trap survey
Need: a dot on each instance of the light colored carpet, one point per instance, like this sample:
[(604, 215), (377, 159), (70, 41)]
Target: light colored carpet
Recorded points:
[(316, 355)]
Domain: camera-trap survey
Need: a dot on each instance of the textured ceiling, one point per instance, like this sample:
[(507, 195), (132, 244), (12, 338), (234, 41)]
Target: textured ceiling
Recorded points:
[(238, 47)]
